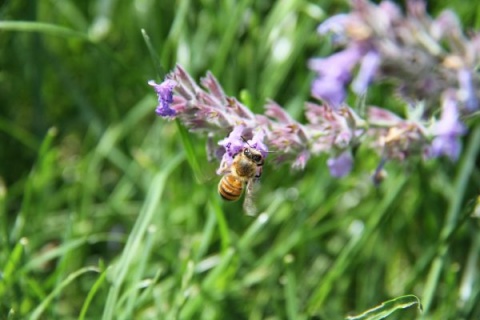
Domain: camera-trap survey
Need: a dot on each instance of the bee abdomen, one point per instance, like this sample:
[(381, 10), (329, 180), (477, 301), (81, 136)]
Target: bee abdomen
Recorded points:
[(230, 188)]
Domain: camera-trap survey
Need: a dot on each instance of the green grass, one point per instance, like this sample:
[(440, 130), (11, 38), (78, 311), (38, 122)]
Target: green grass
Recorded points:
[(110, 212)]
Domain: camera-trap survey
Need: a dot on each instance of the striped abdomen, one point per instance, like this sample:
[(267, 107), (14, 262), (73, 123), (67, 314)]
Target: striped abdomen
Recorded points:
[(230, 187)]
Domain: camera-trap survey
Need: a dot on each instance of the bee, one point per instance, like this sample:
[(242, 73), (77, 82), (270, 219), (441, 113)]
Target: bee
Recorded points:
[(245, 170)]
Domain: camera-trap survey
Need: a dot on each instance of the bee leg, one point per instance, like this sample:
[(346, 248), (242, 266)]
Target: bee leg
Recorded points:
[(224, 168)]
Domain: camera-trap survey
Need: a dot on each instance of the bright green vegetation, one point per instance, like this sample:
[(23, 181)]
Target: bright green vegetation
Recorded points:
[(102, 214)]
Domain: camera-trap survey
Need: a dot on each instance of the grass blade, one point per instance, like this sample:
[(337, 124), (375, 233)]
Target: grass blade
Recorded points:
[(132, 296), (387, 308), (42, 27), (348, 253), (91, 294), (190, 153), (216, 208), (132, 246), (467, 166), (42, 306), (10, 268), (153, 55)]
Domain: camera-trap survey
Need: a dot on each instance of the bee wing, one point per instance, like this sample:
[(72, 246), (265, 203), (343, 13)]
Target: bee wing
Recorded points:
[(249, 203)]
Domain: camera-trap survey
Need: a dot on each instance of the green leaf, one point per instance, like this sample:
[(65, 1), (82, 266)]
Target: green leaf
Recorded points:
[(387, 308)]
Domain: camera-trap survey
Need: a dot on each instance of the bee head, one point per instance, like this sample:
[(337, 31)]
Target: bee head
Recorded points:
[(254, 155)]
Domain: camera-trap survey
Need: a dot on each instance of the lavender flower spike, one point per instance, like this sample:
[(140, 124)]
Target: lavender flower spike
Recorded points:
[(164, 92)]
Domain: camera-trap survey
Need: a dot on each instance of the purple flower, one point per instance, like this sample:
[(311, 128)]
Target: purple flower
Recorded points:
[(335, 24), (257, 142), (426, 61), (448, 130), (341, 165), (467, 91), (330, 90), (164, 92), (446, 145), (368, 67), (334, 73), (233, 144)]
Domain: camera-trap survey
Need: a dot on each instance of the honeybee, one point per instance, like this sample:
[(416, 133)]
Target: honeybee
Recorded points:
[(245, 170)]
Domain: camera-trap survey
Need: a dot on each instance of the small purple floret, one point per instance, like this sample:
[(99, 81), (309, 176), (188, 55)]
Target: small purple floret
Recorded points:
[(233, 144), (334, 73), (467, 90), (257, 142), (164, 92), (341, 165), (447, 131)]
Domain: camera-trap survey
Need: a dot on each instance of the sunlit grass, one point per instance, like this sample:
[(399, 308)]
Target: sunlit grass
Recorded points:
[(107, 211)]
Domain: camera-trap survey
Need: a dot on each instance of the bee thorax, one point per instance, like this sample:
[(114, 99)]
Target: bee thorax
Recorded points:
[(245, 170)]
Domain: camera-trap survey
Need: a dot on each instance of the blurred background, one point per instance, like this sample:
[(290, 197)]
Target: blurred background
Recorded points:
[(101, 214)]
